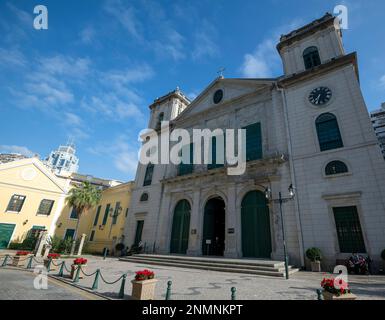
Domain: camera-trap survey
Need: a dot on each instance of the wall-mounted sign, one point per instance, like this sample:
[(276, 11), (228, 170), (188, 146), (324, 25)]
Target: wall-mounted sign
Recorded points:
[(230, 230), (193, 231), (208, 241)]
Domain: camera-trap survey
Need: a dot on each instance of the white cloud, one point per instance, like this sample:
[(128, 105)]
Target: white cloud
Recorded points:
[(204, 46), (17, 149), (12, 57), (64, 65), (192, 95), (87, 35), (172, 46), (112, 106), (382, 81), (265, 60), (23, 16), (123, 153), (136, 74), (73, 119), (126, 16), (259, 63), (48, 95)]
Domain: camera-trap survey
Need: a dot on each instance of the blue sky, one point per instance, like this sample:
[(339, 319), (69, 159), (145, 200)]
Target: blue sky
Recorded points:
[(93, 73)]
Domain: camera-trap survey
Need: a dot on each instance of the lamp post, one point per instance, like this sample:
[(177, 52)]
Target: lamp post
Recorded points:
[(114, 215), (282, 200)]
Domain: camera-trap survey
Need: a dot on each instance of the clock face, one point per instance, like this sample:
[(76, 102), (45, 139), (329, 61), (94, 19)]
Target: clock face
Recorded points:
[(218, 95), (320, 96)]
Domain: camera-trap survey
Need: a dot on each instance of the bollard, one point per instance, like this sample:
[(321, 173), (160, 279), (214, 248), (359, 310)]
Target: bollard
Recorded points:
[(61, 271), (95, 284), (49, 264), (320, 295), (29, 265), (168, 291), (121, 292), (5, 261), (77, 275), (233, 291), (104, 253)]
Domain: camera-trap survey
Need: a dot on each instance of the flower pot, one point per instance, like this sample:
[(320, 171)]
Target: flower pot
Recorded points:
[(330, 296), (315, 266), (143, 290), (20, 261), (74, 267)]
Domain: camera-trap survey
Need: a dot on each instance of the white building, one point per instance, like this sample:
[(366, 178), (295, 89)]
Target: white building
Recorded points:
[(63, 161), (378, 121), (309, 127)]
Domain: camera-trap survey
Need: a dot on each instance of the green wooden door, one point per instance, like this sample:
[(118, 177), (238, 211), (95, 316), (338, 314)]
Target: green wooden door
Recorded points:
[(180, 228), (138, 233), (255, 219), (6, 231)]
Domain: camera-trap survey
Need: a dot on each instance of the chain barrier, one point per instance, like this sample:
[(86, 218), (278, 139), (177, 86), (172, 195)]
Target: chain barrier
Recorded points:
[(113, 282), (98, 275), (88, 275)]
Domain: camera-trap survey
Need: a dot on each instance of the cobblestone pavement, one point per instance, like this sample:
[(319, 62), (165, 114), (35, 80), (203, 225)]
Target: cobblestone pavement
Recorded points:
[(191, 284), (18, 285)]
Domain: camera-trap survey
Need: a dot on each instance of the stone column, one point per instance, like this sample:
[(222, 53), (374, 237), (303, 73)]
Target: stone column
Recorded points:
[(40, 243), (194, 236), (46, 251), (232, 230), (83, 238), (73, 247)]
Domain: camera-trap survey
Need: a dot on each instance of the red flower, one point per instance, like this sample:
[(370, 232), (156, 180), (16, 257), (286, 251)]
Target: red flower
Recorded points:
[(22, 253), (335, 286), (144, 275), (80, 261), (53, 256)]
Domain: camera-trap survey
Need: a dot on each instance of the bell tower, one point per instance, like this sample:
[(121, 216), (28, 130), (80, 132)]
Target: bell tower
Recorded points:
[(167, 108), (312, 45)]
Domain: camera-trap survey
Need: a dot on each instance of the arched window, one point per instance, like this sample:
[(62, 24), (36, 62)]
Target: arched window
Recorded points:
[(148, 175), (144, 197), (329, 136), (160, 119), (336, 167), (311, 57)]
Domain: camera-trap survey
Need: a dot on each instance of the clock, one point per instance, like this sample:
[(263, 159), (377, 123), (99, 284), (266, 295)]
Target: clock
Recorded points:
[(320, 96), (218, 95)]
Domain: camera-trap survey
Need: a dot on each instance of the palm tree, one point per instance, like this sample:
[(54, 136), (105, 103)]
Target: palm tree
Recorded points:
[(83, 198)]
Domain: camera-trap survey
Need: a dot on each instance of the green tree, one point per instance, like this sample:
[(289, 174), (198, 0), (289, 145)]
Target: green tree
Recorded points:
[(83, 198)]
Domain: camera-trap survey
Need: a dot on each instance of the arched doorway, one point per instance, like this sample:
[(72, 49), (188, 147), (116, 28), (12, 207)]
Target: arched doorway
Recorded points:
[(255, 219), (180, 227), (213, 242)]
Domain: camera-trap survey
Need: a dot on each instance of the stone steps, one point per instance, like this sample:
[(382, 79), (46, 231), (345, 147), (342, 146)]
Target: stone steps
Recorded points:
[(254, 267)]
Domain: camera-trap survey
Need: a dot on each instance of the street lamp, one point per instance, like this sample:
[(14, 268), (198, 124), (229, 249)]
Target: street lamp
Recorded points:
[(114, 215), (281, 200)]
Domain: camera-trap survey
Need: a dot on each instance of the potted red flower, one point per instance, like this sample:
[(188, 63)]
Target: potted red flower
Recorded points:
[(78, 263), (143, 286), (51, 256), (336, 289), (21, 258)]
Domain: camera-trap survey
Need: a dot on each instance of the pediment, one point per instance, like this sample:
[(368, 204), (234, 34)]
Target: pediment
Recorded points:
[(31, 173), (232, 89)]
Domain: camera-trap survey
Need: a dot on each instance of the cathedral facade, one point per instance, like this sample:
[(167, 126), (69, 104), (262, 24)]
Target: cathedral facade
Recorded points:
[(309, 141)]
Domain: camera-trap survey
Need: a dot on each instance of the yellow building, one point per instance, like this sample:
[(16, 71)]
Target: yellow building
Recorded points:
[(31, 199), (102, 225)]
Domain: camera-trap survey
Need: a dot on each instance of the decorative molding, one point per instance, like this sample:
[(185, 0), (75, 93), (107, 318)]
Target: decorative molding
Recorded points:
[(338, 196)]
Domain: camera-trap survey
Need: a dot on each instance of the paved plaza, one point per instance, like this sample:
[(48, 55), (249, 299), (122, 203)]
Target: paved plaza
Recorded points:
[(189, 284), (18, 285)]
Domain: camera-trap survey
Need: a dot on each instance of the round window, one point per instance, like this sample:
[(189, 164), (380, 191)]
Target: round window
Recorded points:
[(218, 95)]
